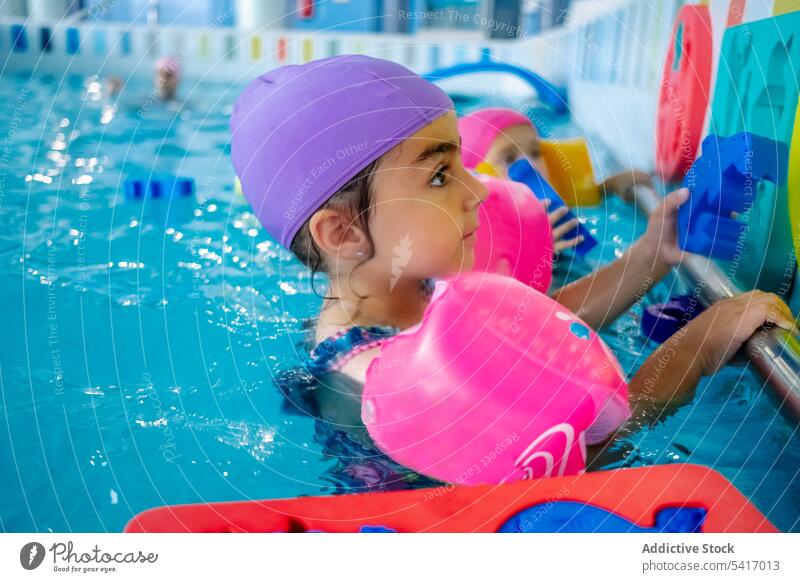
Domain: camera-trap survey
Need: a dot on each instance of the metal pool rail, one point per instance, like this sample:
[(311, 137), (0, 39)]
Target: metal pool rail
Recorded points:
[(774, 353)]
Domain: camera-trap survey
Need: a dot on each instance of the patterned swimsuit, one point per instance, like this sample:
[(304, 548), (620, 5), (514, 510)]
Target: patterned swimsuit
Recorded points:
[(358, 467), (335, 351)]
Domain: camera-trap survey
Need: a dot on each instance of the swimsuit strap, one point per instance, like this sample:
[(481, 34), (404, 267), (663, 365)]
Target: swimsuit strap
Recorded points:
[(332, 353), (335, 351), (428, 285)]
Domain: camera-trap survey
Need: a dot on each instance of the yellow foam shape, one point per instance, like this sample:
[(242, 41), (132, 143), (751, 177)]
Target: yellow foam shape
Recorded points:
[(237, 186), (570, 171), (487, 169), (785, 7), (794, 182), (255, 48)]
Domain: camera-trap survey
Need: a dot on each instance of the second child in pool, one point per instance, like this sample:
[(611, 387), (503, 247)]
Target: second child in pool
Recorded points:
[(500, 136)]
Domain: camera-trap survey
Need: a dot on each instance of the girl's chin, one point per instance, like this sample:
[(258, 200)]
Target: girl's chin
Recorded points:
[(466, 264), (463, 261)]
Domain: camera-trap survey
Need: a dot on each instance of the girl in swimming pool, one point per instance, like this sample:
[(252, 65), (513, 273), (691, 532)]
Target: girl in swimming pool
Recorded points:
[(355, 165), (499, 137)]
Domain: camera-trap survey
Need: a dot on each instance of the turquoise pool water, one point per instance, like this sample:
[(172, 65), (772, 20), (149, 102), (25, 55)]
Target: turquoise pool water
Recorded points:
[(140, 339)]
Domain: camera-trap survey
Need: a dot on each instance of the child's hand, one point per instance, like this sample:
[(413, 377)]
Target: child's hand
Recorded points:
[(661, 238), (621, 183), (558, 232), (725, 326)]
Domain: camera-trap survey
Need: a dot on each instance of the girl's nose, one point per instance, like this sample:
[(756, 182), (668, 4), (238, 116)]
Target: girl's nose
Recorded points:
[(476, 191)]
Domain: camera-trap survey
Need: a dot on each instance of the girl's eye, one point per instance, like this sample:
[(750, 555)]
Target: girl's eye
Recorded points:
[(439, 178)]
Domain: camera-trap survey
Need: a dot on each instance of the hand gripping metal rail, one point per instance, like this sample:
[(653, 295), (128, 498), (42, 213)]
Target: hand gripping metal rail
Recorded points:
[(773, 353)]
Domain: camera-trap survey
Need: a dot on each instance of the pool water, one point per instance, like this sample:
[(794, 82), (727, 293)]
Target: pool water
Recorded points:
[(140, 339)]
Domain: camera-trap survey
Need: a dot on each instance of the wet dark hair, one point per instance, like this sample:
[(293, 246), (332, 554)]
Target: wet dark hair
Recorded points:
[(354, 198)]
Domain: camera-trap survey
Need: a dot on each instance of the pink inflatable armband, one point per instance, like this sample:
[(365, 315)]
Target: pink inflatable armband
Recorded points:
[(498, 383), (514, 237)]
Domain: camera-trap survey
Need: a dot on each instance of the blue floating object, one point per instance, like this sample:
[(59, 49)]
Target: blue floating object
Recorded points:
[(547, 93), (73, 41), (661, 320), (376, 529), (99, 38), (158, 187), (576, 517), (434, 55), (47, 45), (732, 166), (523, 171), (125, 43)]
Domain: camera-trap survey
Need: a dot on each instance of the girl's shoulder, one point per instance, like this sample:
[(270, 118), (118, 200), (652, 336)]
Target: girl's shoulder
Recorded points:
[(332, 320), (324, 331), (348, 349)]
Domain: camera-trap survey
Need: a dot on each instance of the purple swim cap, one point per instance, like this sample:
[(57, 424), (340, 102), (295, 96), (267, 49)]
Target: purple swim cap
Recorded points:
[(301, 132)]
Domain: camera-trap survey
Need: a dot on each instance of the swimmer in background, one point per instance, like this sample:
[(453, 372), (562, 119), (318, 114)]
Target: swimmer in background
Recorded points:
[(410, 184), (500, 136), (166, 80), (167, 77)]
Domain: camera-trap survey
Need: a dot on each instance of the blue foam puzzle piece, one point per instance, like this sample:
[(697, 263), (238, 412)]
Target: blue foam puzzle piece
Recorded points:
[(19, 38), (523, 171), (376, 529), (167, 187), (721, 181), (363, 529), (576, 517)]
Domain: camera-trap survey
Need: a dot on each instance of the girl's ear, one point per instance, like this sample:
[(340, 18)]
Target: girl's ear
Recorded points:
[(337, 236)]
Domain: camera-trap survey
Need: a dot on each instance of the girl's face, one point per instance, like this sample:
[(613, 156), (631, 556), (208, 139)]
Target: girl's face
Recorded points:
[(513, 143), (425, 206)]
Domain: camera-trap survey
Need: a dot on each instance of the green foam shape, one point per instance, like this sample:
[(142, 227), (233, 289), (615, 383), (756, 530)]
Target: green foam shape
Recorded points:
[(756, 91)]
